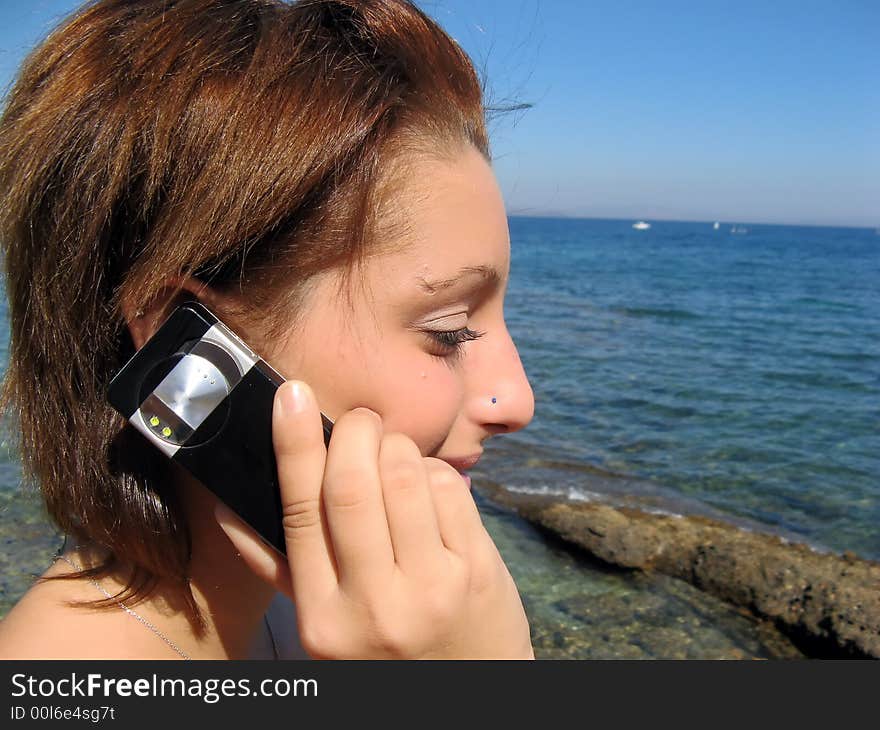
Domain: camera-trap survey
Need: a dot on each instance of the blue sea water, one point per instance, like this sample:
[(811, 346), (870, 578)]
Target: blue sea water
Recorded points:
[(692, 369)]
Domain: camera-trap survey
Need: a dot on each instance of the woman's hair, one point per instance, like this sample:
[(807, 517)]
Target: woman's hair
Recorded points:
[(248, 143)]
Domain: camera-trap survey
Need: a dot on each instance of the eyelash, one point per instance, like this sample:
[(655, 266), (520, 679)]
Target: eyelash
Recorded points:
[(453, 340)]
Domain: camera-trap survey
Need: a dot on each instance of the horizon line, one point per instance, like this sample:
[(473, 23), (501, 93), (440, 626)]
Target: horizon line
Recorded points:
[(735, 222)]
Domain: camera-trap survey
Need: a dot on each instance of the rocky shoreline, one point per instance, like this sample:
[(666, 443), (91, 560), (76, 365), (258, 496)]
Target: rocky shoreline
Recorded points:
[(827, 604)]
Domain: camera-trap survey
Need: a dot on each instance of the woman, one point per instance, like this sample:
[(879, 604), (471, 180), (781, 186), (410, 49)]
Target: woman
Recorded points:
[(317, 175)]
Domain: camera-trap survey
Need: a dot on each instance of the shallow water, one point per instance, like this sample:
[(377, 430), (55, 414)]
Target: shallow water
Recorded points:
[(28, 542), (580, 609), (577, 609)]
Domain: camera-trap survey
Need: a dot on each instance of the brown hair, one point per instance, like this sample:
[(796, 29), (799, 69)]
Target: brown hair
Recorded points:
[(250, 143)]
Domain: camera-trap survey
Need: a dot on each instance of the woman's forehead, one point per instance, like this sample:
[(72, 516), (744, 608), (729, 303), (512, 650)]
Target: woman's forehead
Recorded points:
[(455, 223), (447, 231)]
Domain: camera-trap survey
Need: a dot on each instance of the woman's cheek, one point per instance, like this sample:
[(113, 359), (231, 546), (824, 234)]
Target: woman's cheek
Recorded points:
[(424, 402)]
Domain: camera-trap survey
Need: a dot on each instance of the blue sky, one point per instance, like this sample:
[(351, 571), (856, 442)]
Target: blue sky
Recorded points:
[(735, 111)]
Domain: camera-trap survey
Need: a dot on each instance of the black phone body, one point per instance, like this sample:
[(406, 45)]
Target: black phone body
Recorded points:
[(199, 394)]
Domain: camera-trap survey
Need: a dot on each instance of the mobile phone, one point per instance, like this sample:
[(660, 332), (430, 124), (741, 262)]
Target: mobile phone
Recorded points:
[(199, 394)]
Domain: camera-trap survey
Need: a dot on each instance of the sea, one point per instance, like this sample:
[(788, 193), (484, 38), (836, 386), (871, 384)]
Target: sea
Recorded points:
[(687, 368), (731, 371)]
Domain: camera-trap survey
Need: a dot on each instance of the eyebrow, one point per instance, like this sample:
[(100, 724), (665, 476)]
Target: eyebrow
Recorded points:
[(486, 273)]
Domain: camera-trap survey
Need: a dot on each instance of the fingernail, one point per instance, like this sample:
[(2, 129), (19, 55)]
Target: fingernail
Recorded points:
[(297, 398)]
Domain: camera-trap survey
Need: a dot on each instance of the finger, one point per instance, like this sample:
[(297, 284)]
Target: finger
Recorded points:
[(298, 438), (268, 564), (353, 503), (458, 519), (409, 507)]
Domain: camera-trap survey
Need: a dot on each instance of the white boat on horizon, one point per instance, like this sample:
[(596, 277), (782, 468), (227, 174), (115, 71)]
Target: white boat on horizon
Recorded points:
[(717, 225), (641, 226)]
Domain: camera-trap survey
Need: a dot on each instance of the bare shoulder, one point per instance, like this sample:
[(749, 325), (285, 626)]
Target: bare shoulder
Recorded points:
[(43, 626)]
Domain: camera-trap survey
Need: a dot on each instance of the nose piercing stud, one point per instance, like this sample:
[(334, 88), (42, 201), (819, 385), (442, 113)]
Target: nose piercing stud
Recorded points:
[(494, 400)]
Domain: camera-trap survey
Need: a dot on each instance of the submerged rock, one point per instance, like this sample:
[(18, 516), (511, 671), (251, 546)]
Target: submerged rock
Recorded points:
[(828, 604)]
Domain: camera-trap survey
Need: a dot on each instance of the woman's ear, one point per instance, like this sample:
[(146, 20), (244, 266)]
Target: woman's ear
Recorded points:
[(144, 319)]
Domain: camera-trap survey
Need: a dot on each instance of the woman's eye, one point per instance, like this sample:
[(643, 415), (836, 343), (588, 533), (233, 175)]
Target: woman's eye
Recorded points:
[(452, 340)]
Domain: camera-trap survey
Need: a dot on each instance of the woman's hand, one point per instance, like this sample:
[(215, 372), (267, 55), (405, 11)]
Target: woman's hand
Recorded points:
[(386, 554)]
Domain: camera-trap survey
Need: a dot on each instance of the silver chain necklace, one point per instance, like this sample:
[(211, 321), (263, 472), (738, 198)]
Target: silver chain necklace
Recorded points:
[(134, 614)]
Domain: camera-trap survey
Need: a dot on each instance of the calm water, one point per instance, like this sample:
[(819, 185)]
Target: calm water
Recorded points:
[(681, 368), (703, 370)]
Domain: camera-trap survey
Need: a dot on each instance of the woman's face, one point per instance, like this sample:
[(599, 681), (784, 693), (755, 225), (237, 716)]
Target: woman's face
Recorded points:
[(395, 352)]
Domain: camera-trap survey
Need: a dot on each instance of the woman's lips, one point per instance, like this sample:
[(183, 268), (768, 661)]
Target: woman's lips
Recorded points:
[(464, 463)]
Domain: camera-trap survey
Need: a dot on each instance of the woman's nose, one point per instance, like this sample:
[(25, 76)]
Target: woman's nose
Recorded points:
[(504, 398)]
